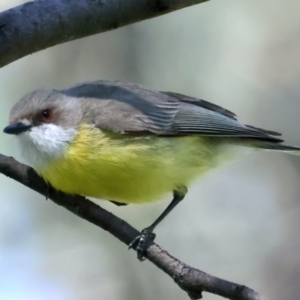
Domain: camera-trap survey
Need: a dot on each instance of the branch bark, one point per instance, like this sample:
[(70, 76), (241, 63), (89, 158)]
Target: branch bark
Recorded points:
[(41, 24), (191, 280)]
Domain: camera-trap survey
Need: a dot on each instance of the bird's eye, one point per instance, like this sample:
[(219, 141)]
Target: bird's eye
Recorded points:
[(46, 114)]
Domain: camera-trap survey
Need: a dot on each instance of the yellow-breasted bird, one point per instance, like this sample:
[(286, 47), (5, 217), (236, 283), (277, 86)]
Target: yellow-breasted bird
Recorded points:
[(129, 144)]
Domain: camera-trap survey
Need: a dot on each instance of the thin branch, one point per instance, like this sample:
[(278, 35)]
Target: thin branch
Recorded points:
[(191, 280), (38, 25)]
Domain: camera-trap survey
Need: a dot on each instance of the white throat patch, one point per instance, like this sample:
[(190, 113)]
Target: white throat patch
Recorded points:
[(45, 142)]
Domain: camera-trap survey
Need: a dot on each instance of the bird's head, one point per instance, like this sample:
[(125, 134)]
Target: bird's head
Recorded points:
[(45, 122)]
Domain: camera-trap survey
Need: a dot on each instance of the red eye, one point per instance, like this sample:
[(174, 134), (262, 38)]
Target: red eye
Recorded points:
[(47, 114)]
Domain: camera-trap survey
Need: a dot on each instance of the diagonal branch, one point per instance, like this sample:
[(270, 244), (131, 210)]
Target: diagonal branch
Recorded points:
[(38, 25), (191, 280)]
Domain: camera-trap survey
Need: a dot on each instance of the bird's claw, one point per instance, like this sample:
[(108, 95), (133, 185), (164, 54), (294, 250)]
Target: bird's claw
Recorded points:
[(142, 242)]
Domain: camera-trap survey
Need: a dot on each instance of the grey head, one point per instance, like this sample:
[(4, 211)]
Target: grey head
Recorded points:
[(43, 106), (45, 122)]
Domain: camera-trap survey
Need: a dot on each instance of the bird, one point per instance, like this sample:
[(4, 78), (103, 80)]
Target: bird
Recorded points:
[(127, 143)]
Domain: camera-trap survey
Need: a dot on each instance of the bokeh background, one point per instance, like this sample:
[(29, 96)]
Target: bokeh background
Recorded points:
[(240, 222)]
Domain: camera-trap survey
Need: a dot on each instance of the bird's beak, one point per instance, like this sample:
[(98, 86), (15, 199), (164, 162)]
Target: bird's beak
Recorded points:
[(16, 128)]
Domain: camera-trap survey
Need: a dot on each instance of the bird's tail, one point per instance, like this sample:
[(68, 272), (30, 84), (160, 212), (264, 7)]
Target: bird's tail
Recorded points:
[(295, 150)]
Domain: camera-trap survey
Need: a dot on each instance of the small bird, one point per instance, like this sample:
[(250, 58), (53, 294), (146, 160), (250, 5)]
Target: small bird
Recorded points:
[(127, 144)]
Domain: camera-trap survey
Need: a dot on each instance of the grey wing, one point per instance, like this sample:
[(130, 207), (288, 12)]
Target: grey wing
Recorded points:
[(204, 122), (125, 108), (202, 103), (207, 118), (133, 109)]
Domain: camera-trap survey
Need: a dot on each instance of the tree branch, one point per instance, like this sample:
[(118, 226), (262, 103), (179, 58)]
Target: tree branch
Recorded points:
[(191, 280), (41, 24)]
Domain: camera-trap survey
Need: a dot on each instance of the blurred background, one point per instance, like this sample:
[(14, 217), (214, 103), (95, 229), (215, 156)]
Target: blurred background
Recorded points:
[(240, 223)]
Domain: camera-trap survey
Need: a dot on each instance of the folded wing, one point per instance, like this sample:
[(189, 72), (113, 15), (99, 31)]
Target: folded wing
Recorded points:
[(135, 110)]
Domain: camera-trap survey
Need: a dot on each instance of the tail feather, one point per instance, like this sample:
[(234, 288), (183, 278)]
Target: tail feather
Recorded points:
[(295, 150)]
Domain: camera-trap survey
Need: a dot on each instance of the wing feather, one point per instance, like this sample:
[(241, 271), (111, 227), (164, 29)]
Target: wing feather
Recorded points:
[(129, 108)]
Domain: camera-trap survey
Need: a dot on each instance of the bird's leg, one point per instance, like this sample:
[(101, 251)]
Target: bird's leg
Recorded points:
[(143, 240)]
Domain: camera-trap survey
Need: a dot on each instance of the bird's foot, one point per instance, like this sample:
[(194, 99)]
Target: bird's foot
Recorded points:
[(142, 242)]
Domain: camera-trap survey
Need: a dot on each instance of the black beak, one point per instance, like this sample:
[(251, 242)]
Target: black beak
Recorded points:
[(16, 128)]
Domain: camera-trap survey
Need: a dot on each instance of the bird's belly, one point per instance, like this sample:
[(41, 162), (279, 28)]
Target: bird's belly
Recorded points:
[(134, 170), (126, 185), (128, 181)]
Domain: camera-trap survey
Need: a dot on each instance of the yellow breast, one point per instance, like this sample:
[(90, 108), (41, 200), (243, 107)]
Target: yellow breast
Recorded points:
[(127, 169)]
